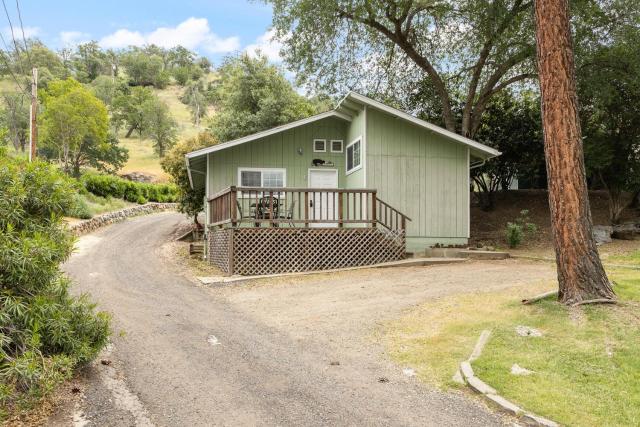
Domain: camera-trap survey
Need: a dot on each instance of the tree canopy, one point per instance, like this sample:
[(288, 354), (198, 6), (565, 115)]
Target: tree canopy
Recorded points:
[(74, 129), (253, 95), (191, 202)]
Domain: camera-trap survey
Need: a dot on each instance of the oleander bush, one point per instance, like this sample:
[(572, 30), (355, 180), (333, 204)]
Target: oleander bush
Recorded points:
[(44, 331), (135, 192)]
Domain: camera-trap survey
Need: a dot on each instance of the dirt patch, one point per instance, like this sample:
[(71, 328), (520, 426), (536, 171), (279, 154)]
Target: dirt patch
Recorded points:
[(342, 307), (488, 227), (177, 255)]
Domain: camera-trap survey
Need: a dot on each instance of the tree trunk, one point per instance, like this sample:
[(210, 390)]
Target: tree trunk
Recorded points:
[(581, 275), (130, 131)]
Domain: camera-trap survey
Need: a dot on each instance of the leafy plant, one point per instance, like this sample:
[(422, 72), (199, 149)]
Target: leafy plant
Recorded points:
[(516, 231), (135, 192), (44, 331)]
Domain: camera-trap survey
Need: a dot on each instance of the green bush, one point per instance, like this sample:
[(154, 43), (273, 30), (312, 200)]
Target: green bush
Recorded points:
[(135, 192), (80, 209), (44, 331), (515, 231)]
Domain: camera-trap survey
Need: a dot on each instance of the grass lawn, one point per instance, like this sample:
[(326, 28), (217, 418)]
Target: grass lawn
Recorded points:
[(587, 363)]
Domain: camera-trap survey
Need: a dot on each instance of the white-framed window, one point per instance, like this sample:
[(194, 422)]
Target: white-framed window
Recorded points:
[(354, 156), (262, 177), (337, 146), (319, 145)]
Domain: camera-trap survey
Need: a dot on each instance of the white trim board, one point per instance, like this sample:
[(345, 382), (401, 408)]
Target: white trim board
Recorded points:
[(268, 132)]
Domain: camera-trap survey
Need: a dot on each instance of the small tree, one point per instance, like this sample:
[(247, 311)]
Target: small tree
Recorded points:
[(191, 202), (128, 109), (196, 101), (15, 117), (74, 129), (159, 125)]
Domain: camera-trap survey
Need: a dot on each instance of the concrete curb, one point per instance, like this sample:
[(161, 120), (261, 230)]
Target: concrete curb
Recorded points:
[(413, 262), (547, 259), (490, 394), (109, 218)]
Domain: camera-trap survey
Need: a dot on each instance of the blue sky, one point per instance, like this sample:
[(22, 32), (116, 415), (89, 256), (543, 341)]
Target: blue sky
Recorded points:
[(213, 28)]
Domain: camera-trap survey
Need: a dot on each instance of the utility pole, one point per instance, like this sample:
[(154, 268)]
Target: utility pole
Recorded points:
[(33, 115)]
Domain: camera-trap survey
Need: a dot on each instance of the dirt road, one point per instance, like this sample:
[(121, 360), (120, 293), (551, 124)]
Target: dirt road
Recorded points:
[(290, 352)]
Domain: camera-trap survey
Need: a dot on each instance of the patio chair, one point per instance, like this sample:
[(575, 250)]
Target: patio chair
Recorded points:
[(241, 211), (289, 213)]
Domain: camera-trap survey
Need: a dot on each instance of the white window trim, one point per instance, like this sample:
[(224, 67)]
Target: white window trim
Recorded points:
[(324, 144), (341, 145), (284, 174), (346, 154)]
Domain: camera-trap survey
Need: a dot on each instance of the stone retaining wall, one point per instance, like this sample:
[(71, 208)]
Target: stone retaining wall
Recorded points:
[(104, 219)]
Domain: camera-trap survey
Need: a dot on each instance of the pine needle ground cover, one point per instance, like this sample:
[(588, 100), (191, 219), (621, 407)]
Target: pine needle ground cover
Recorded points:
[(586, 364)]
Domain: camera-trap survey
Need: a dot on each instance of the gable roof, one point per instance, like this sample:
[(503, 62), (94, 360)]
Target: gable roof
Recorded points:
[(356, 98), (346, 108)]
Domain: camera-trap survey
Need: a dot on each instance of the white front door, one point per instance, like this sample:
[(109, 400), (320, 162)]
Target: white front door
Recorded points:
[(324, 203)]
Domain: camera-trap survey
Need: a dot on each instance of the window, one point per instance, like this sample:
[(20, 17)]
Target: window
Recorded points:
[(336, 146), (319, 145), (354, 156), (262, 177)]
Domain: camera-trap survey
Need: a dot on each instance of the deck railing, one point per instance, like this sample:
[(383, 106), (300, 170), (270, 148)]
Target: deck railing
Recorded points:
[(302, 207)]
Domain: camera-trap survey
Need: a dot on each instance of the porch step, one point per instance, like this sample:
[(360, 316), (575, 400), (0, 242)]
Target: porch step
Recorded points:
[(465, 253), (485, 255), (196, 248), (419, 262)]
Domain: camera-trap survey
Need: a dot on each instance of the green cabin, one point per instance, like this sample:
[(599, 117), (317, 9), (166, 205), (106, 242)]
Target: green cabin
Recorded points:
[(361, 165)]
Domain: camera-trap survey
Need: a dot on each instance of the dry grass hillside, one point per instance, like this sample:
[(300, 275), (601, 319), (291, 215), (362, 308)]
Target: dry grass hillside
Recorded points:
[(142, 158)]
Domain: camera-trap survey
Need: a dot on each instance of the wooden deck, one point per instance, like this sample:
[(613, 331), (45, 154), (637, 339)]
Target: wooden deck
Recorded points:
[(255, 231)]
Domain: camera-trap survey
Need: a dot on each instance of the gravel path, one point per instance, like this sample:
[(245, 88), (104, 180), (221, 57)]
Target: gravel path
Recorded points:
[(298, 351)]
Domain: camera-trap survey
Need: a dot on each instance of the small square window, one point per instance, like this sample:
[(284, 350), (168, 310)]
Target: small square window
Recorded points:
[(336, 146), (319, 145)]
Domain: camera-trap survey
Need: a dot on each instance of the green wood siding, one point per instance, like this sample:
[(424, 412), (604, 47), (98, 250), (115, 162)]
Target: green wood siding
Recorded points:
[(279, 151), (356, 179), (421, 174)]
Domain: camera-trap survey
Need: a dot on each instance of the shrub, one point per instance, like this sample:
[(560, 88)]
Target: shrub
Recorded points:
[(517, 230), (135, 192), (44, 331), (80, 209)]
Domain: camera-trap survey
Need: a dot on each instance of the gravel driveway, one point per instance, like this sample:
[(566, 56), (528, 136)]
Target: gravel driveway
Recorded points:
[(294, 351)]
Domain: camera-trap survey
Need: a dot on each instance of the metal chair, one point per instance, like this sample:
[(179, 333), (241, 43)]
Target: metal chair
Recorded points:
[(289, 213)]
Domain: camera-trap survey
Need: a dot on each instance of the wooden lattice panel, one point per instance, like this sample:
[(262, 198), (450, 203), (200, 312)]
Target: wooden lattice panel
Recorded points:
[(219, 241), (282, 250)]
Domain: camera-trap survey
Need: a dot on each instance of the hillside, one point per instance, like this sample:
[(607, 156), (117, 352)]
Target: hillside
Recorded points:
[(142, 158)]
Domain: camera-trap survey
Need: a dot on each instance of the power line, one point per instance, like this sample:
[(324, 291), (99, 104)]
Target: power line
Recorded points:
[(8, 64), (15, 44), (24, 39)]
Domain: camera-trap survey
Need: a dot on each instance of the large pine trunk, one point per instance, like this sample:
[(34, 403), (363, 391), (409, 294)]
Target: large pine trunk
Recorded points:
[(581, 276)]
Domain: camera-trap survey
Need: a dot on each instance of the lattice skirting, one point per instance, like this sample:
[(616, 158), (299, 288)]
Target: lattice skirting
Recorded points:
[(253, 251), (219, 241)]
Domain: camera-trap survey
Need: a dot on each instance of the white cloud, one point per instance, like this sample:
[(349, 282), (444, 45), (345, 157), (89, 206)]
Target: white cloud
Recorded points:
[(268, 45), (194, 33), (29, 32), (73, 38), (122, 38)]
